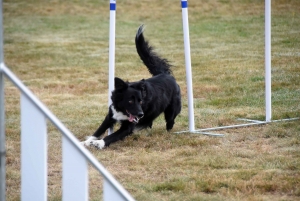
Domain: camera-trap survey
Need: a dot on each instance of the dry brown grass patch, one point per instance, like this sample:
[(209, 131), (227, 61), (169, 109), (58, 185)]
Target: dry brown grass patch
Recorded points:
[(60, 50)]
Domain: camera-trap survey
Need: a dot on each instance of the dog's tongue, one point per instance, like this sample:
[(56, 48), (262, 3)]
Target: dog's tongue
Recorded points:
[(131, 118)]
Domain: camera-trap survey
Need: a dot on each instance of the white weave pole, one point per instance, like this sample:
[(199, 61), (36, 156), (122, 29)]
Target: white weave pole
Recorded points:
[(185, 22), (112, 35), (2, 117), (268, 60)]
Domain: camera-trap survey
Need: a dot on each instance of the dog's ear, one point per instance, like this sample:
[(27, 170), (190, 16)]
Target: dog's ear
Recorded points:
[(120, 84)]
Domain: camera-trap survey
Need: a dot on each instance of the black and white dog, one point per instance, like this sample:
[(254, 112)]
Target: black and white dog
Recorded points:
[(136, 104)]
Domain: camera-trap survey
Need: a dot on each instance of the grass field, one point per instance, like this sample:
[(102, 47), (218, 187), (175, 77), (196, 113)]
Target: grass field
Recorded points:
[(60, 50)]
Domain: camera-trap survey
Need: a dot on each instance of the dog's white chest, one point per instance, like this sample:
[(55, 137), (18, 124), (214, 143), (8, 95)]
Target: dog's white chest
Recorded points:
[(118, 115)]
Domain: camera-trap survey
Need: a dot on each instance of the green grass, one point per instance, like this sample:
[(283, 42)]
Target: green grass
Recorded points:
[(60, 51)]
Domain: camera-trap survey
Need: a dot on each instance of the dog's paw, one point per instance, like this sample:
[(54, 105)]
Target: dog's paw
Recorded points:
[(89, 141), (100, 144)]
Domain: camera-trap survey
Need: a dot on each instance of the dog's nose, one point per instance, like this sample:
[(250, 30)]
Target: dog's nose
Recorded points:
[(140, 114)]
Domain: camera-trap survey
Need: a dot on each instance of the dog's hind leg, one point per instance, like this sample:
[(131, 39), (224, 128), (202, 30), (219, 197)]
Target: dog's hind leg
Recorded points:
[(169, 117), (150, 124), (171, 112)]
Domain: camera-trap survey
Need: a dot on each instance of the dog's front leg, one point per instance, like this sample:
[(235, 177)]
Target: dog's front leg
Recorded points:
[(125, 130), (107, 123), (89, 141)]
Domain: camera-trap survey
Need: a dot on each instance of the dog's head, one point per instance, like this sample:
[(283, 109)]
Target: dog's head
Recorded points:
[(128, 99)]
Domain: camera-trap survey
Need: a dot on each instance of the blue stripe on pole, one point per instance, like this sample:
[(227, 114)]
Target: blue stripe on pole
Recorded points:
[(184, 4), (112, 6)]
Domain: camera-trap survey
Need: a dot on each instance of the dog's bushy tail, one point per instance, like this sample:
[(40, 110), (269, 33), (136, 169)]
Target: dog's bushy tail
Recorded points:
[(154, 63)]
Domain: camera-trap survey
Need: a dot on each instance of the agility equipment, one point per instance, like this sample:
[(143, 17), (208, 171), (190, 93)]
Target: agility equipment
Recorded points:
[(206, 131)]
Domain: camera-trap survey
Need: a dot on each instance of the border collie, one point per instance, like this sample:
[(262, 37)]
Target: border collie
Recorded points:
[(136, 104)]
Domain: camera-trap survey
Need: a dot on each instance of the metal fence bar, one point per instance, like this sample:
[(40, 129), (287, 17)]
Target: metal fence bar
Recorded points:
[(75, 173), (204, 130), (231, 126), (250, 120), (254, 123), (33, 152)]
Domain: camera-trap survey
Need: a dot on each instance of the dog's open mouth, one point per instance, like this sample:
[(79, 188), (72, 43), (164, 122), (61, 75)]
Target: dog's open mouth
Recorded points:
[(133, 118)]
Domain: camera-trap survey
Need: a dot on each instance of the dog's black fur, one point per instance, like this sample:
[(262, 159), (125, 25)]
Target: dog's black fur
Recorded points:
[(137, 104)]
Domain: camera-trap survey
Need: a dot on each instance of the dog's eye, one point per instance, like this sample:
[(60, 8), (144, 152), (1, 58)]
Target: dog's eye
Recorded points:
[(141, 102), (130, 101)]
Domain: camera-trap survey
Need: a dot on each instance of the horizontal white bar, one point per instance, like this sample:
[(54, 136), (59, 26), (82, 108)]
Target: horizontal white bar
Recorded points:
[(232, 126), (237, 126), (250, 120), (290, 119), (207, 133), (200, 132)]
